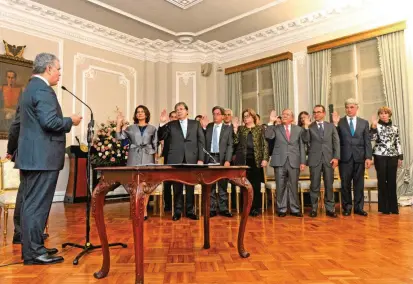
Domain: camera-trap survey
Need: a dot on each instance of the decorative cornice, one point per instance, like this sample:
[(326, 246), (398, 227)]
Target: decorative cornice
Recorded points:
[(31, 15)]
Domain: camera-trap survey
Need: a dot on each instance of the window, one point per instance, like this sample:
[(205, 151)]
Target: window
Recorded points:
[(355, 73), (257, 91)]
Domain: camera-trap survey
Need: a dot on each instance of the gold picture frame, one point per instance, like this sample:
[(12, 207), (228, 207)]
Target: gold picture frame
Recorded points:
[(14, 76)]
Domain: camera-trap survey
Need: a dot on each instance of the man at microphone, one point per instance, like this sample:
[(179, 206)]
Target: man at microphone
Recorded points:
[(41, 130)]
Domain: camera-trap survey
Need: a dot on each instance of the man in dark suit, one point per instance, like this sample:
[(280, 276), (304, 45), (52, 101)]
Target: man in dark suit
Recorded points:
[(323, 156), (288, 158), (40, 155), (219, 145), (356, 156), (167, 185), (185, 141)]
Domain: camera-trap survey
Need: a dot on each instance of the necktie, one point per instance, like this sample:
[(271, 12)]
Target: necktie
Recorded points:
[(287, 132), (183, 127), (351, 126), (215, 140), (321, 130)]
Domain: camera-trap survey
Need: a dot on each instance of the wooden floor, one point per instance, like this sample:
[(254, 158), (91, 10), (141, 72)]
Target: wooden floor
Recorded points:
[(376, 249)]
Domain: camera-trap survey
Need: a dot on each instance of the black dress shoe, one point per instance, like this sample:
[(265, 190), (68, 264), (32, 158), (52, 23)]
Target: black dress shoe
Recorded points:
[(361, 212), (212, 213), (192, 216), (176, 217), (254, 213), (385, 213), (145, 218), (296, 214), (17, 240), (396, 212), (346, 213), (313, 214), (51, 251), (44, 259), (45, 236), (331, 214), (226, 213), (281, 214)]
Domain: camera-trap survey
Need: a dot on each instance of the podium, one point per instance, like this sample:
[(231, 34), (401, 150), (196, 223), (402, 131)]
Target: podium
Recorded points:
[(77, 184)]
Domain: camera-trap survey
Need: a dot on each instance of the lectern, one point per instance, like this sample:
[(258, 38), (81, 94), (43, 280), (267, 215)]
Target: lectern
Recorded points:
[(77, 184)]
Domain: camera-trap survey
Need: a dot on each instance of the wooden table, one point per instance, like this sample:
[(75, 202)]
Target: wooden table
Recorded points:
[(143, 180)]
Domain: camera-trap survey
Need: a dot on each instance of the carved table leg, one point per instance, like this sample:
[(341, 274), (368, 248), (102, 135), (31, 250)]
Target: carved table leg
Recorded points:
[(206, 198), (137, 199), (248, 195), (98, 201)]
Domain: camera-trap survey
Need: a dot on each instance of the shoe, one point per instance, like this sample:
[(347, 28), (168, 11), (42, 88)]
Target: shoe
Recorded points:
[(313, 214), (254, 213), (331, 214), (212, 213), (281, 214), (44, 259), (226, 213), (176, 217), (145, 218), (296, 214), (346, 213), (385, 213), (51, 251), (192, 216), (397, 212), (45, 236), (361, 213), (17, 240)]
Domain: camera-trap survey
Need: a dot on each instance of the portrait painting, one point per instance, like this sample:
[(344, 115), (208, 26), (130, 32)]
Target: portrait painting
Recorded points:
[(14, 76)]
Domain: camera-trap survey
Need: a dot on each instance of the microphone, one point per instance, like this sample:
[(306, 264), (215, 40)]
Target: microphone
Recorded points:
[(209, 155), (92, 122)]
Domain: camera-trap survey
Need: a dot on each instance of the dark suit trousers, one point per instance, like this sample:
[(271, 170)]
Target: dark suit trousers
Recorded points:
[(17, 210), (328, 179), (386, 168), (222, 203), (38, 190), (352, 171), (286, 179), (167, 189)]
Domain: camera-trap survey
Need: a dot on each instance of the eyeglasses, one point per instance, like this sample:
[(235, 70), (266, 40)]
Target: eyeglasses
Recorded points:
[(246, 116), (317, 112), (227, 114)]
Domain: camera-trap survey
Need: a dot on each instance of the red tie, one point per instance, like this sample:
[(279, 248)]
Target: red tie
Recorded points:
[(287, 132)]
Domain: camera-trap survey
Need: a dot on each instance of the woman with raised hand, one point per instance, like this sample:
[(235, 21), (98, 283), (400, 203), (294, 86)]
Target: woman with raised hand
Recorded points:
[(143, 140)]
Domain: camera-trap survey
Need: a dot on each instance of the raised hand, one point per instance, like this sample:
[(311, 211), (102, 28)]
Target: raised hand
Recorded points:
[(164, 117), (235, 123), (119, 119), (273, 116), (336, 118), (204, 121), (374, 122)]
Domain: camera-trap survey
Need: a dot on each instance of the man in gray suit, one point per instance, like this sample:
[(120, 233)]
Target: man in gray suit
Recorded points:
[(219, 145), (288, 158), (323, 155), (356, 156), (184, 138), (40, 155)]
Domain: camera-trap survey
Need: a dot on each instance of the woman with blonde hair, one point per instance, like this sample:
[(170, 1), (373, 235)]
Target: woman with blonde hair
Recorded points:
[(251, 150), (388, 157)]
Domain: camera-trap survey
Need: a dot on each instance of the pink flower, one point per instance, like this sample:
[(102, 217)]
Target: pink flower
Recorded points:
[(112, 159), (113, 140), (103, 157), (102, 149)]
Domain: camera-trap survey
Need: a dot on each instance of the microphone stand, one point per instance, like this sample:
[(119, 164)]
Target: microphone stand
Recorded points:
[(87, 247)]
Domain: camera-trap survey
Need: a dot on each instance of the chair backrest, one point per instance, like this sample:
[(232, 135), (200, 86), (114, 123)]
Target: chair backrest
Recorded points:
[(9, 176), (305, 175)]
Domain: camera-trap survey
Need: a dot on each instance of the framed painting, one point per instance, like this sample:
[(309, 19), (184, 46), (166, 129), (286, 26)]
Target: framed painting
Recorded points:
[(14, 76)]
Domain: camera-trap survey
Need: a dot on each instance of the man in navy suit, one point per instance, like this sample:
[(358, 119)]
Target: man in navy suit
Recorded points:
[(356, 156), (41, 130), (184, 138)]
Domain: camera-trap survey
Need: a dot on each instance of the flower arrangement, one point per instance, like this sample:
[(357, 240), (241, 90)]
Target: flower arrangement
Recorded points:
[(107, 150)]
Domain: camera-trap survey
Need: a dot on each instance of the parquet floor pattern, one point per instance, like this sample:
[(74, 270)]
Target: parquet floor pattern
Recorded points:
[(347, 250)]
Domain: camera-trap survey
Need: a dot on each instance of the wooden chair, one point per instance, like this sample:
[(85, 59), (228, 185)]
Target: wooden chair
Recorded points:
[(369, 185), (197, 201), (9, 185), (158, 198)]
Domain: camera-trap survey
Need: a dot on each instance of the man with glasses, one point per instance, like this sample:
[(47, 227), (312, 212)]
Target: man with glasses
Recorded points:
[(219, 144), (323, 155)]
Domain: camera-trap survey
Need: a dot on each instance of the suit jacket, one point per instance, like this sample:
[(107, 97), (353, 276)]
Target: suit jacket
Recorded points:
[(357, 146), (180, 147), (142, 148), (226, 142), (293, 150), (321, 149), (260, 145), (13, 138), (42, 130)]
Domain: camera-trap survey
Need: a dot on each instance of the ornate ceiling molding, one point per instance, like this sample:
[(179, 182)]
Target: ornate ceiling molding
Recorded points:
[(184, 4), (31, 15)]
